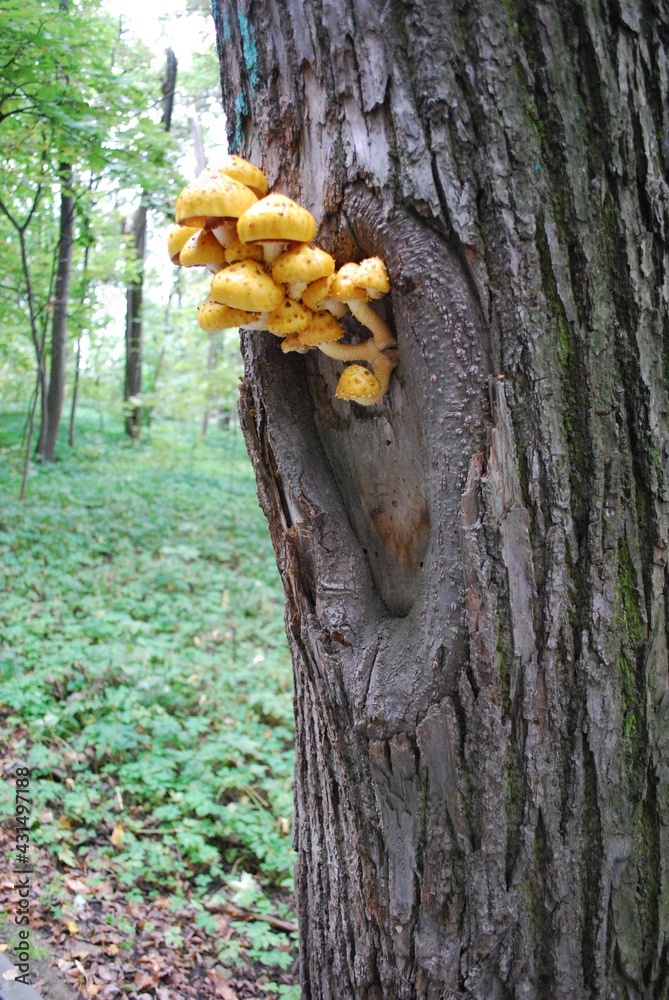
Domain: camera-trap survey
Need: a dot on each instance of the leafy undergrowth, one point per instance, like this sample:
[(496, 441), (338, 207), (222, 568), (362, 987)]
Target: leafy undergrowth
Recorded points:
[(144, 677)]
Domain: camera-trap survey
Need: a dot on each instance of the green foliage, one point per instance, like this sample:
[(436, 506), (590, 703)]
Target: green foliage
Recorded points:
[(143, 664)]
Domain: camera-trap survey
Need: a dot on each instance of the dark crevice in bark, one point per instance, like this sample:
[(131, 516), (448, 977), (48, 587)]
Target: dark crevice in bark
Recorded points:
[(591, 876), (544, 969)]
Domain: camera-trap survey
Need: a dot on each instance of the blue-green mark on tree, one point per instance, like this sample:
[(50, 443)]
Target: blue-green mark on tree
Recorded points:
[(250, 49)]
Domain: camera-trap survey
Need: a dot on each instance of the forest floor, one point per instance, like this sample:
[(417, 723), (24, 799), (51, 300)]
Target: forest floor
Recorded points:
[(145, 682)]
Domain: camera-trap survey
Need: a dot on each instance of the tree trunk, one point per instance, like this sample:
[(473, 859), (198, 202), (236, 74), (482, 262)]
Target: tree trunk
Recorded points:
[(475, 568), (51, 413), (133, 327), (133, 318)]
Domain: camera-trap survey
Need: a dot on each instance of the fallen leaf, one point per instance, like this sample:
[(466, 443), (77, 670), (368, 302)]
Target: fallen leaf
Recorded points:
[(117, 836), (72, 926), (143, 979), (223, 987)]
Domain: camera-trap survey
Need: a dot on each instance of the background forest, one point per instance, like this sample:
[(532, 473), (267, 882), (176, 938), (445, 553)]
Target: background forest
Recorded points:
[(144, 674)]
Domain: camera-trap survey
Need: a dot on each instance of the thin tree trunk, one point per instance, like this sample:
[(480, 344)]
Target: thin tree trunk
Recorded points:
[(133, 328), (77, 361), (476, 568), (46, 447)]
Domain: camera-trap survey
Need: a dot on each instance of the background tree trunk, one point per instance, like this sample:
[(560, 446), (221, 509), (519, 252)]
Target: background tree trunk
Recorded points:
[(476, 568), (52, 404), (133, 318)]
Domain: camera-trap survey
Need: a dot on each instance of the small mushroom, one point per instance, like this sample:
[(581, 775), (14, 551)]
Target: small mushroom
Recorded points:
[(236, 250), (317, 296), (247, 285), (246, 173), (274, 221), (359, 385), (356, 284), (323, 329), (177, 238), (203, 249), (300, 265), (212, 199), (289, 317), (214, 316)]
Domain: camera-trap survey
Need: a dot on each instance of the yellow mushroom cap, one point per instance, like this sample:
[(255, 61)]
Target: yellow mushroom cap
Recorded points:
[(303, 262), (242, 251), (202, 248), (177, 237), (356, 383), (316, 292), (213, 316), (373, 276), (289, 317), (211, 197), (364, 281), (247, 285), (277, 219), (323, 329), (246, 173)]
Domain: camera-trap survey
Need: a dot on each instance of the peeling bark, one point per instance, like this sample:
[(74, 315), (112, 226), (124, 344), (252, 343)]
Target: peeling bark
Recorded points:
[(476, 568)]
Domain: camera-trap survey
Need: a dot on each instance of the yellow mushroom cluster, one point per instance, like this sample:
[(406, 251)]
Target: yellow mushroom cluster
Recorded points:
[(268, 275)]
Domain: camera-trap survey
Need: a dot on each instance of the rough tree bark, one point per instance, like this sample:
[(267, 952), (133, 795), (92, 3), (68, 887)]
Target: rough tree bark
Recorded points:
[(132, 386), (476, 568)]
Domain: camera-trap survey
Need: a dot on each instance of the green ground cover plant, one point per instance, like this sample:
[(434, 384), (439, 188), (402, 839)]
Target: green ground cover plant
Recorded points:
[(144, 671)]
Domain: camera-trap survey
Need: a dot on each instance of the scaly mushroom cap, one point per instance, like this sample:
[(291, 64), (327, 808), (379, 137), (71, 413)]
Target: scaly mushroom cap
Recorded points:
[(323, 329), (276, 219), (361, 282), (247, 285), (303, 262), (357, 383), (373, 277), (201, 249), (289, 317), (177, 238), (242, 251), (246, 173), (214, 316), (212, 197)]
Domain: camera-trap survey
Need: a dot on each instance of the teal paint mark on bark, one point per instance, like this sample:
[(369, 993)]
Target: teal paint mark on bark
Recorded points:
[(227, 31), (250, 49), (241, 108)]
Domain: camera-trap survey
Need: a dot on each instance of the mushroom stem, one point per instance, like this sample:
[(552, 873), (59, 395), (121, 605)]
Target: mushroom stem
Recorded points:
[(367, 351), (260, 323), (381, 332), (295, 289), (226, 232), (271, 252)]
